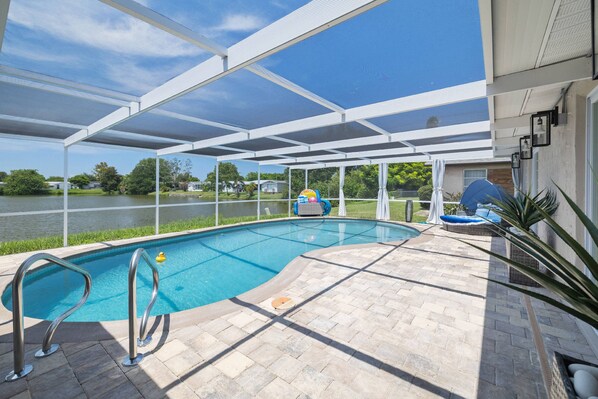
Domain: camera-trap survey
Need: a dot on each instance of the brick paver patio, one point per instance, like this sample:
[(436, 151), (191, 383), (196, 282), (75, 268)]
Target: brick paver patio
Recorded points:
[(387, 321)]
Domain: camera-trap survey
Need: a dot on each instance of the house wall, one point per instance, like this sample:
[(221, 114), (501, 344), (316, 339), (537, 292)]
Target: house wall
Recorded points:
[(499, 173), (564, 163)]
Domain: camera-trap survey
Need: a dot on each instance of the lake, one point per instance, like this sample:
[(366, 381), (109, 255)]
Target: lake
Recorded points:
[(25, 227)]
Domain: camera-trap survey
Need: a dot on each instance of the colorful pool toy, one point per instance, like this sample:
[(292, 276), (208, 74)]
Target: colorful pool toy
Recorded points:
[(309, 197)]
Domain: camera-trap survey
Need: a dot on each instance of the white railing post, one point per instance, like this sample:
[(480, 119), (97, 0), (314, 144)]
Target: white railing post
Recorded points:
[(259, 189), (65, 195), (217, 189), (289, 192), (306, 179), (157, 194)]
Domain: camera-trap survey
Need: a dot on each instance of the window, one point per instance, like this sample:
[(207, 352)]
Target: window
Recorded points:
[(471, 175)]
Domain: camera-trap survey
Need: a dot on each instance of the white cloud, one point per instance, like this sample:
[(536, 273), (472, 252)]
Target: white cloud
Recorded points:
[(240, 23), (98, 26)]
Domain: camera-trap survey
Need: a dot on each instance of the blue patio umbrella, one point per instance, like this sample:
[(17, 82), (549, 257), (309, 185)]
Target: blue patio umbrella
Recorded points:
[(481, 192)]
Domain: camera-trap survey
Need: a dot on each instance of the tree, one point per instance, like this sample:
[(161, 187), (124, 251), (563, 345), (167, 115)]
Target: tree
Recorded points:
[(55, 178), (227, 173), (142, 180), (266, 176), (180, 172), (24, 182), (108, 177), (409, 176), (250, 189), (3, 176), (79, 180)]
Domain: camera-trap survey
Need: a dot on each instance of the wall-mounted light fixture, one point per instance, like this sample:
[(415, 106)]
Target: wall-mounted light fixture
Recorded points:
[(540, 126), (515, 161), (525, 148)]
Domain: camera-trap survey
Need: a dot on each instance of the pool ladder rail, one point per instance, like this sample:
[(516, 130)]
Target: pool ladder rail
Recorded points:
[(20, 368), (143, 339)]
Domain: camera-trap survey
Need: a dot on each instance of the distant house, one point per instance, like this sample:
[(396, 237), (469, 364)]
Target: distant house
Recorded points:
[(59, 185), (273, 186), (458, 175), (91, 185), (195, 186)]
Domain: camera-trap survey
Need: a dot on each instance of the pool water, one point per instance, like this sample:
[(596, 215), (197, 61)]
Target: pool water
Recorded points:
[(200, 268)]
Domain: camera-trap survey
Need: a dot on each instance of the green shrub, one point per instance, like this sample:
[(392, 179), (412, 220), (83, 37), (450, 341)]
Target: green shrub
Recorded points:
[(425, 194)]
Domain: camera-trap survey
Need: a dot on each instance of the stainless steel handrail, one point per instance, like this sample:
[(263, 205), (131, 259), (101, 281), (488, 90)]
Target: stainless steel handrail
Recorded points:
[(134, 358), (20, 368)]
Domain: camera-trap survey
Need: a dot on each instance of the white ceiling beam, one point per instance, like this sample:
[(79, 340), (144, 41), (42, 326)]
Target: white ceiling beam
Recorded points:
[(434, 98), (4, 5), (67, 84), (468, 91), (148, 15), (443, 131), (62, 90), (550, 75), (389, 152), (511, 123), (436, 132), (295, 88), (151, 17), (22, 119), (299, 25), (264, 153), (487, 154), (485, 9), (199, 121), (104, 96)]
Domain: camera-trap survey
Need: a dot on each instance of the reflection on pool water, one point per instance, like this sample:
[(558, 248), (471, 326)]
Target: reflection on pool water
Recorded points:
[(201, 268)]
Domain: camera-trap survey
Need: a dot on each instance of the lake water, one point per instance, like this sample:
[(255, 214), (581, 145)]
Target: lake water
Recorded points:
[(25, 227)]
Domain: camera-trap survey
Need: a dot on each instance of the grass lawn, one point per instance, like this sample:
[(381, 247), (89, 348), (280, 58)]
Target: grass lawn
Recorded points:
[(367, 210)]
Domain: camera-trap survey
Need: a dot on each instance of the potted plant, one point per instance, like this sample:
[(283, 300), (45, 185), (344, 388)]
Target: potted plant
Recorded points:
[(574, 291), (522, 212)]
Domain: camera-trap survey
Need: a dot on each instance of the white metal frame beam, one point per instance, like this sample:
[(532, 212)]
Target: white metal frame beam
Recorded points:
[(420, 150), (416, 158), (550, 75), (436, 132), (4, 5), (450, 95), (158, 21), (299, 25)]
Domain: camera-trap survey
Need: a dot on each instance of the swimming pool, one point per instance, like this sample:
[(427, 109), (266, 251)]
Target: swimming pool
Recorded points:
[(201, 268)]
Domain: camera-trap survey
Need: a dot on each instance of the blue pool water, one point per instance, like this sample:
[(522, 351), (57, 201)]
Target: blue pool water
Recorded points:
[(200, 268)]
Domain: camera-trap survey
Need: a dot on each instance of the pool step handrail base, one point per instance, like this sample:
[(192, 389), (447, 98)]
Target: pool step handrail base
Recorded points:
[(128, 362), (144, 342), (20, 368), (44, 353), (12, 376)]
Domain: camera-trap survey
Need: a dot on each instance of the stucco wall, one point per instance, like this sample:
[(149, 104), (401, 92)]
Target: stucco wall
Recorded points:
[(564, 162), (453, 175)]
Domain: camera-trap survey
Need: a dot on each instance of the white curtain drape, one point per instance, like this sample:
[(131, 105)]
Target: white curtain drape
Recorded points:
[(516, 181), (437, 204), (342, 210), (383, 207)]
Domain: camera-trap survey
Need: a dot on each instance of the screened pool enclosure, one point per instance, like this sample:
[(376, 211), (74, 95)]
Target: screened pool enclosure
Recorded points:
[(304, 85)]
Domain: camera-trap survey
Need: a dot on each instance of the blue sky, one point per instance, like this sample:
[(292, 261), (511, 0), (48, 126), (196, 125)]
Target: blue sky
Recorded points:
[(394, 50)]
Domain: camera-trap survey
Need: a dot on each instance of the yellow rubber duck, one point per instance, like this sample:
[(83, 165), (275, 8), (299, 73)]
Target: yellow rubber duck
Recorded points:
[(161, 257)]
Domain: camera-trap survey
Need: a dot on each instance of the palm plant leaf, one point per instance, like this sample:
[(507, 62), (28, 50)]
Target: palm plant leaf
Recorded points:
[(578, 291), (554, 261)]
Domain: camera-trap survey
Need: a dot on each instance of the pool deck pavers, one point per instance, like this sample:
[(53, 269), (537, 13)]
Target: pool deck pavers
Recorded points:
[(387, 321)]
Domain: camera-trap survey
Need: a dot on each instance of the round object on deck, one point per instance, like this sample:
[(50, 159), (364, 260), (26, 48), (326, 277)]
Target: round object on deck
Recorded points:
[(283, 303)]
